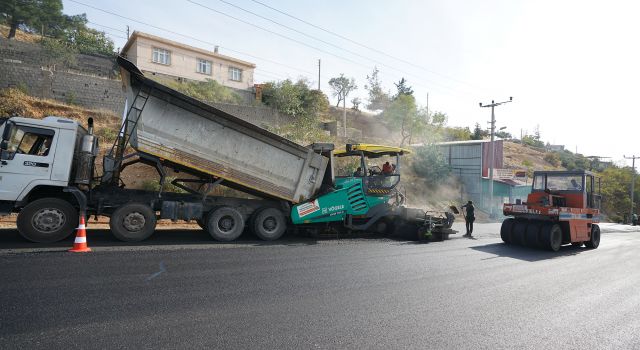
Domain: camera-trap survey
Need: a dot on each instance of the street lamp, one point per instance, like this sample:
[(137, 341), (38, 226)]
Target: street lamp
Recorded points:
[(493, 104)]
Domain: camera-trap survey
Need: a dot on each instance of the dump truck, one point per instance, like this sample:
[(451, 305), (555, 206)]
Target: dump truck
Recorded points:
[(563, 207), (48, 175)]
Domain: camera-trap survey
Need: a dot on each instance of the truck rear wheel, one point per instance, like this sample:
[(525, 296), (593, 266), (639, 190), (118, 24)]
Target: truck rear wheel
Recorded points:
[(594, 241), (225, 224), (133, 222), (268, 224), (47, 220)]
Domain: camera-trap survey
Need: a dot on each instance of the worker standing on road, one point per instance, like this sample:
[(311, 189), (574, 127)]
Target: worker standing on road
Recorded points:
[(469, 218)]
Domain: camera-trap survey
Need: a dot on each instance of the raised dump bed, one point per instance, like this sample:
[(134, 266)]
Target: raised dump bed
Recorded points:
[(166, 124)]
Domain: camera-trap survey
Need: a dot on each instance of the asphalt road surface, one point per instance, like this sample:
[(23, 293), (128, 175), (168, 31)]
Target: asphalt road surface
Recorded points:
[(181, 290)]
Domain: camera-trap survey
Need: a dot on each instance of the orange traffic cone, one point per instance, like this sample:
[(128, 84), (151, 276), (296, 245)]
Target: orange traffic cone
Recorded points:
[(80, 244)]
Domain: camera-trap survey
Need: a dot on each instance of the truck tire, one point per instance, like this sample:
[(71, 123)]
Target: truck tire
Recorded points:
[(133, 222), (268, 224), (225, 224), (594, 241), (551, 236), (47, 220), (505, 230)]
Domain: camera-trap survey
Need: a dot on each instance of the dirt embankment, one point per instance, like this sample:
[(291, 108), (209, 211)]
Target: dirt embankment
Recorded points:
[(518, 156)]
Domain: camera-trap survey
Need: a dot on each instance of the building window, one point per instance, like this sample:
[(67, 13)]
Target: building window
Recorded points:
[(235, 74), (161, 56), (204, 66)]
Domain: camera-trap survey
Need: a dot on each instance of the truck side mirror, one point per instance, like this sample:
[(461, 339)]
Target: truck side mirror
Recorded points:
[(4, 142), (6, 135)]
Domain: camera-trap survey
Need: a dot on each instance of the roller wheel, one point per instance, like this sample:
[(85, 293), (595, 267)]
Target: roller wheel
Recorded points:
[(551, 236), (268, 223), (225, 224), (505, 230), (133, 222), (518, 232), (594, 241), (533, 233)]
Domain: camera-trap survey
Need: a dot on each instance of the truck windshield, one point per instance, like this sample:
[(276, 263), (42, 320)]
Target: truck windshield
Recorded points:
[(558, 182)]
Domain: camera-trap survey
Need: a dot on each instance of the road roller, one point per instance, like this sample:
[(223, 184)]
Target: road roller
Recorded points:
[(562, 208)]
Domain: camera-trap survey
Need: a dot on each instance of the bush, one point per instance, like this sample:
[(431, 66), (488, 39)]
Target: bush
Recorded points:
[(208, 91), (430, 164), (552, 158)]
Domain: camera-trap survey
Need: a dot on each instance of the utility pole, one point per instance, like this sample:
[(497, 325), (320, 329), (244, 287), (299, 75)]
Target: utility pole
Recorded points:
[(427, 105), (491, 154), (633, 180), (318, 74), (127, 32)]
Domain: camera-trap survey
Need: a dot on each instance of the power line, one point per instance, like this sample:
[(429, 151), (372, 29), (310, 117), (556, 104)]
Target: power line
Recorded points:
[(189, 37), (102, 25), (272, 32), (358, 43), (312, 37)]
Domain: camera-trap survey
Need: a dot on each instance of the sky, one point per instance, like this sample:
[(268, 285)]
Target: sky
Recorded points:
[(572, 67)]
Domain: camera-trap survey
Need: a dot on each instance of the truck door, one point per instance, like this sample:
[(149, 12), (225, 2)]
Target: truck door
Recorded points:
[(28, 157)]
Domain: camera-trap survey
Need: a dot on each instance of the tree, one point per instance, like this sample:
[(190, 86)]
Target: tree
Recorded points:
[(342, 87), (306, 105), (402, 114), (457, 134), (439, 119), (355, 103), (536, 133), (430, 165), (29, 14), (403, 88), (378, 99), (503, 135), (479, 133)]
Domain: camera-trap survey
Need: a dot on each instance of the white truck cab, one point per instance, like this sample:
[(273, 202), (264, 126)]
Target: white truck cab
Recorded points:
[(38, 160)]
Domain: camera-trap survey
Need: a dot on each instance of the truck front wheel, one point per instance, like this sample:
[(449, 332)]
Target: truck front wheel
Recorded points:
[(133, 222), (225, 224), (47, 220)]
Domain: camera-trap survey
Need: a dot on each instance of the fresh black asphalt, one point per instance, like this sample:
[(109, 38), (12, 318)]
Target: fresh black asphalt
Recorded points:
[(181, 290)]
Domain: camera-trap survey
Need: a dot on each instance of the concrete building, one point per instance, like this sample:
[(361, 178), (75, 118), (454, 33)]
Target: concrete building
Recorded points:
[(160, 56), (470, 161)]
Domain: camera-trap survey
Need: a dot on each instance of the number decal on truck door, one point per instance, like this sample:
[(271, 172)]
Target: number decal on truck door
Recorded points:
[(36, 164)]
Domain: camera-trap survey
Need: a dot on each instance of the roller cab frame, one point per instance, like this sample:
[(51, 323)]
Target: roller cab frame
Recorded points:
[(563, 207)]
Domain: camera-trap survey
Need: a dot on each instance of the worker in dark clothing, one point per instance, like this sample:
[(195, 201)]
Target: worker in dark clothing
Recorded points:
[(469, 218)]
